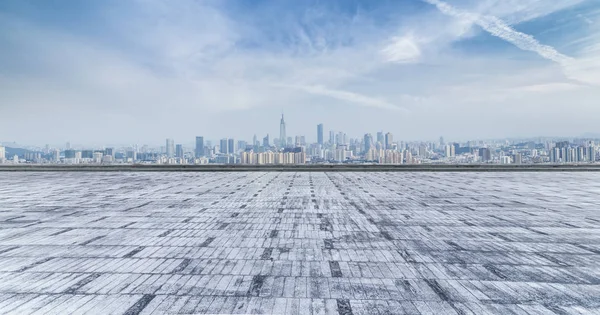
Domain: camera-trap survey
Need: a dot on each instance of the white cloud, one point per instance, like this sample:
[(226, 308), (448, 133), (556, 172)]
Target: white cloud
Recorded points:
[(403, 49)]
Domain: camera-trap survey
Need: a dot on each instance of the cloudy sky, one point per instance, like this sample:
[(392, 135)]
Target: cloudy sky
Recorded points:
[(124, 72)]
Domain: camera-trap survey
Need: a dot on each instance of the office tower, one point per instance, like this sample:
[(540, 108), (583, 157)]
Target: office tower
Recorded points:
[(282, 136), (590, 154), (199, 147), (485, 154), (331, 137), (69, 154), (290, 141), (266, 142), (170, 148), (450, 150), (179, 151), (368, 142), (109, 151), (255, 141), (320, 134), (231, 146), (380, 137), (56, 155), (518, 158), (223, 146), (389, 139), (2, 154), (442, 141)]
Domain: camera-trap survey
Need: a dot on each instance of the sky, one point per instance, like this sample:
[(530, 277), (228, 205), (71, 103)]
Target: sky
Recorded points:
[(137, 72)]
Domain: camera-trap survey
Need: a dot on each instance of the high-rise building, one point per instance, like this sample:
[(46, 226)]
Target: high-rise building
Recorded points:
[(389, 139), (450, 150), (2, 154), (266, 142), (199, 147), (485, 154), (179, 151), (442, 143), (290, 141), (170, 148), (331, 137), (368, 142), (109, 151), (282, 135), (320, 134), (380, 137), (231, 146), (223, 146), (68, 146)]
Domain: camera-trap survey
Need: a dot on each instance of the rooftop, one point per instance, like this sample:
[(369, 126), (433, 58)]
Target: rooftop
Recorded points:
[(300, 243)]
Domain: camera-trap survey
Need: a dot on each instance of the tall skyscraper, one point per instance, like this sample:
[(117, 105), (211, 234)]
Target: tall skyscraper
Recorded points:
[(199, 147), (231, 146), (331, 137), (109, 151), (266, 142), (320, 134), (179, 151), (170, 148), (389, 139), (282, 136), (380, 137), (368, 143), (223, 146)]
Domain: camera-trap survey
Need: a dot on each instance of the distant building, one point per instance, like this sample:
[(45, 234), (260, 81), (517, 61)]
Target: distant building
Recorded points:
[(389, 139), (170, 148), (109, 151), (199, 151), (450, 150), (368, 142), (320, 134), (69, 154), (331, 137), (179, 151), (2, 154), (223, 146), (518, 158), (485, 154), (231, 146), (282, 134), (266, 142), (380, 137), (505, 160)]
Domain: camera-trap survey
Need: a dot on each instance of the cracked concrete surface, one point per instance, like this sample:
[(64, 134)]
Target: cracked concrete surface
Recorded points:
[(300, 243)]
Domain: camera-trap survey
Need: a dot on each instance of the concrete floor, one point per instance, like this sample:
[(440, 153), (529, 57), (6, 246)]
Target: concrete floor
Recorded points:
[(300, 243)]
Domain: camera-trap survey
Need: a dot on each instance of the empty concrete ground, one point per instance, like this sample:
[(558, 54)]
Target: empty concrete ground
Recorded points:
[(300, 243)]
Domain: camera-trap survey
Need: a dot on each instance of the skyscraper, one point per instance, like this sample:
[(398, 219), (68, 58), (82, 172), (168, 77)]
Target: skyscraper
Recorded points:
[(380, 137), (368, 142), (320, 134), (282, 136), (389, 139), (223, 146), (331, 137), (231, 146), (266, 142), (179, 151), (170, 148), (199, 147)]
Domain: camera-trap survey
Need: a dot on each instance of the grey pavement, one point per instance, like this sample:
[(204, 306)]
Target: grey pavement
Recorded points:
[(299, 243)]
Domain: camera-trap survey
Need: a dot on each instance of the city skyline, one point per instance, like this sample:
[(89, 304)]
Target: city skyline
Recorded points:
[(123, 72)]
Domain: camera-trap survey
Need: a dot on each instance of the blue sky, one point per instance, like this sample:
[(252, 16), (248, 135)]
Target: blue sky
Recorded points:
[(140, 71)]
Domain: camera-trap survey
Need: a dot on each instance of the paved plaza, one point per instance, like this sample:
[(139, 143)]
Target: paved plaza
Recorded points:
[(299, 243)]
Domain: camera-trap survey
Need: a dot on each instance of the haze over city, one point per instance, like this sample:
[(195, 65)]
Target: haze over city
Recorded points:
[(125, 72)]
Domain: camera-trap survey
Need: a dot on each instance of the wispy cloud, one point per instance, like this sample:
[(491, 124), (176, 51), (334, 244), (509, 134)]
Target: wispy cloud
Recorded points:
[(573, 68)]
